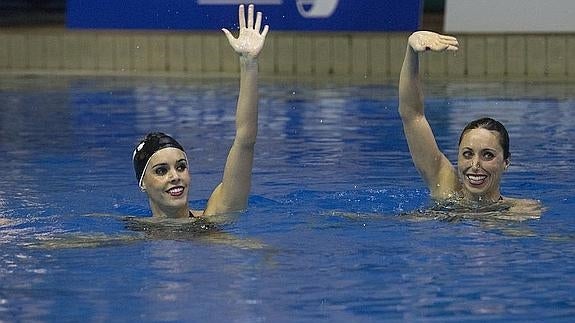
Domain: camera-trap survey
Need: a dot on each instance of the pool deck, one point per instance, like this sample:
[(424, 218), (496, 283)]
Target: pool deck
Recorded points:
[(368, 56)]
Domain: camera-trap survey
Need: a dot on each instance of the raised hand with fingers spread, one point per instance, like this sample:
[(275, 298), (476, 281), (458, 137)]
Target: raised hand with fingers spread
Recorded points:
[(232, 193), (250, 40)]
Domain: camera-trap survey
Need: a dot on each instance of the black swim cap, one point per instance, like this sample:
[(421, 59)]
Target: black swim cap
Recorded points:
[(153, 142)]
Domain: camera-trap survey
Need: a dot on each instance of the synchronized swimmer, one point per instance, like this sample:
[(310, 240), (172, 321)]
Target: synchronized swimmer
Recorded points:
[(483, 153), (161, 164)]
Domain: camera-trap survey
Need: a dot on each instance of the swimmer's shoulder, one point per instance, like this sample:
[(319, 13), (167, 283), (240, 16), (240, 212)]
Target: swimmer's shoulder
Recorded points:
[(448, 186), (214, 218), (528, 207), (200, 215), (514, 201), (197, 214)]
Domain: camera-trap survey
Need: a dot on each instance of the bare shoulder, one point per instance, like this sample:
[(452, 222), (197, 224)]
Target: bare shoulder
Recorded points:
[(448, 186), (216, 218), (527, 208), (197, 213), (521, 203)]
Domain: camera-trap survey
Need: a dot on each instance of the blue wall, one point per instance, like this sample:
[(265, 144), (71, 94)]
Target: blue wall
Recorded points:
[(313, 15)]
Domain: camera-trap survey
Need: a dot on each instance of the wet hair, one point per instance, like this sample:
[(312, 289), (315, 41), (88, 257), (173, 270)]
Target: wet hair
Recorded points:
[(153, 142), (492, 125)]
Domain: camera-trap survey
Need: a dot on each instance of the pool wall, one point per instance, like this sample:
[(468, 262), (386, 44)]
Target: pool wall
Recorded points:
[(370, 56)]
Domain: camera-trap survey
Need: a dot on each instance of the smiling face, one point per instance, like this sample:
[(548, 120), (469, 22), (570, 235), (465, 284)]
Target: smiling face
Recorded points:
[(480, 164), (167, 181)]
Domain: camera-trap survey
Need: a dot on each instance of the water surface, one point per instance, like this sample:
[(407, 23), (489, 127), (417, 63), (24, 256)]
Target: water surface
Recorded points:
[(322, 240)]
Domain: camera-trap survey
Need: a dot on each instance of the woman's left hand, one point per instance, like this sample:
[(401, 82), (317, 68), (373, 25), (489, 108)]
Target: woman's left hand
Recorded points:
[(250, 40)]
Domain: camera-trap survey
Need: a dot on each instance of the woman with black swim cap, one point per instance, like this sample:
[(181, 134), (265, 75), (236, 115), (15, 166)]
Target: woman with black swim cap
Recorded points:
[(161, 164), (483, 146)]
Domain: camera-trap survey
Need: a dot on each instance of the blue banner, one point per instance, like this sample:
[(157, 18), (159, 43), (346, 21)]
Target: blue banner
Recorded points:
[(294, 15)]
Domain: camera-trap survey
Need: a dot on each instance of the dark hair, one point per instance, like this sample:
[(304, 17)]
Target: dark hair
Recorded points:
[(153, 142), (492, 125)]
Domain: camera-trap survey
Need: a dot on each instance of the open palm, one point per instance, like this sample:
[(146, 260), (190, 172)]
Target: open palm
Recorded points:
[(250, 40)]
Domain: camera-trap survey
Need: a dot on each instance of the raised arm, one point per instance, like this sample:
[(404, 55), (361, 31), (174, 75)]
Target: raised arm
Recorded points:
[(431, 163), (232, 193)]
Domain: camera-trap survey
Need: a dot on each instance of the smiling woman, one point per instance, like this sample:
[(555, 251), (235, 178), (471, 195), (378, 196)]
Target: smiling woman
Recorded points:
[(161, 164), (161, 167), (483, 157), (483, 154)]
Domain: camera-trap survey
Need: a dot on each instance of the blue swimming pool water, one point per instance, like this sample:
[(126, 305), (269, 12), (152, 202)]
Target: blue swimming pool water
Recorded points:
[(332, 175)]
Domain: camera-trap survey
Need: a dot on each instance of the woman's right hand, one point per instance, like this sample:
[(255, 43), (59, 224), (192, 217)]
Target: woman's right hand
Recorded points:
[(421, 41)]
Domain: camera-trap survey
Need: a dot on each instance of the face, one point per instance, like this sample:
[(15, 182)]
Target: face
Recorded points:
[(167, 179), (480, 164)]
